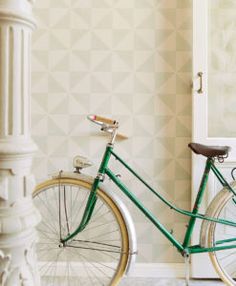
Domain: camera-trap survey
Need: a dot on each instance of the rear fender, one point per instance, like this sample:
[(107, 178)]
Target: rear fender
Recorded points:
[(213, 211)]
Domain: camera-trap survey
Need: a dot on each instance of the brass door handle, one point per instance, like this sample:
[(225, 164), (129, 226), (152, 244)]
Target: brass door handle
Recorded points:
[(200, 75)]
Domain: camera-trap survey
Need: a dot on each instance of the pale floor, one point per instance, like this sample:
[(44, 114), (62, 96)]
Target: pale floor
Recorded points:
[(152, 282), (169, 282)]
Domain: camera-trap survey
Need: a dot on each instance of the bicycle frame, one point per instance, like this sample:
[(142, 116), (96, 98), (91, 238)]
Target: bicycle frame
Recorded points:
[(184, 248)]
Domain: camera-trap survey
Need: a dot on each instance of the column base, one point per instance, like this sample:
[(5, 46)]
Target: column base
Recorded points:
[(18, 265)]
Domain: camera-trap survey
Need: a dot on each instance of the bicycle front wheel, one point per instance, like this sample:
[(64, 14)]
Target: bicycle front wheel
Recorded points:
[(96, 256), (224, 261)]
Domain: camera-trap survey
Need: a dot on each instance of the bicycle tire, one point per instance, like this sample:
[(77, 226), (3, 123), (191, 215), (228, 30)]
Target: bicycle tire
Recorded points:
[(99, 254), (224, 261)]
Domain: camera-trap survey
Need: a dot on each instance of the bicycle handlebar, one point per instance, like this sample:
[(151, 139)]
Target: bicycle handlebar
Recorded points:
[(107, 124), (102, 120)]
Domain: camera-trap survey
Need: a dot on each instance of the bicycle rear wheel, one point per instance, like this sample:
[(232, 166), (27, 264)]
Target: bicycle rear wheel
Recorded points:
[(96, 256), (224, 261)]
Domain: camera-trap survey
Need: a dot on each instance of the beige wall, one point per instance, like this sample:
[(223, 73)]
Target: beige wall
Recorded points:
[(129, 60)]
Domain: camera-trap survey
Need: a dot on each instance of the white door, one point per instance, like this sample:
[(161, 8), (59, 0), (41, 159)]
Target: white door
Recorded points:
[(214, 96)]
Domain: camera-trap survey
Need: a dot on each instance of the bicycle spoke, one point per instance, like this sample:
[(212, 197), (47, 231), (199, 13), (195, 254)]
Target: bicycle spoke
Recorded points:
[(49, 211), (95, 242), (225, 259), (93, 256), (48, 226), (92, 248), (101, 235), (94, 265), (98, 217), (51, 262), (97, 226), (107, 252), (79, 209)]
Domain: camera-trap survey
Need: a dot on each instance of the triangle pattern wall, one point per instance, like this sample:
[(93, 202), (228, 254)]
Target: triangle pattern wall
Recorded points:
[(129, 60)]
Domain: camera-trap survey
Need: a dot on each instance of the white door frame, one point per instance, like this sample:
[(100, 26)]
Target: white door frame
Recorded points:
[(199, 101), (201, 262)]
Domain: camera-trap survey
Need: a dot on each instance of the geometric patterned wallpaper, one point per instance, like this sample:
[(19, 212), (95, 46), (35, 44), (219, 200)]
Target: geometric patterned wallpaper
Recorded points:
[(129, 60), (222, 61)]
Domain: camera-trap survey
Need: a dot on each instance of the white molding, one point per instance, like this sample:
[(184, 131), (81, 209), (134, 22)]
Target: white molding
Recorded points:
[(158, 270), (139, 270)]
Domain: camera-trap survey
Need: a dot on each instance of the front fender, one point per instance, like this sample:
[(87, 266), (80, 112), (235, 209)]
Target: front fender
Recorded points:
[(123, 209), (213, 211)]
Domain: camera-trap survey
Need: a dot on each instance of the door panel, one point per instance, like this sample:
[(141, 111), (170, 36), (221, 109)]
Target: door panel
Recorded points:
[(221, 68), (214, 109)]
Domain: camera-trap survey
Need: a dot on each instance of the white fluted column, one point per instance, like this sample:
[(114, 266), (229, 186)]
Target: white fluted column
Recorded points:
[(18, 217)]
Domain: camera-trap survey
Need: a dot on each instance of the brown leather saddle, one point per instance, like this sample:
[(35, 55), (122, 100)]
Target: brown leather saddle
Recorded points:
[(210, 151)]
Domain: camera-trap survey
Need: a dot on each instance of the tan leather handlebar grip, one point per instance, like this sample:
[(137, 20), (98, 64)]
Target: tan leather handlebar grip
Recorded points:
[(103, 120)]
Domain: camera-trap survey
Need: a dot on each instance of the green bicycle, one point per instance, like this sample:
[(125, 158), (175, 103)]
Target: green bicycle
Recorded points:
[(87, 237)]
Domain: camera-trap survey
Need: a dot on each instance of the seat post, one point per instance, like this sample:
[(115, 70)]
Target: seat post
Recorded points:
[(187, 269), (198, 201)]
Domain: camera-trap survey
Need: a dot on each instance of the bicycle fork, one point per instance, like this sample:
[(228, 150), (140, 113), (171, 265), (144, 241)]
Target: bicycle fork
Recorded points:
[(93, 195), (88, 211)]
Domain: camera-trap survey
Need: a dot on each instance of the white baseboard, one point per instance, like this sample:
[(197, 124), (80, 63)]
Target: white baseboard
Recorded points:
[(145, 270), (160, 270)]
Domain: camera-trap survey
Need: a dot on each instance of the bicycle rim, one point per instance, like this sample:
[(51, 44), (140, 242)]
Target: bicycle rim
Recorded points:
[(96, 256), (224, 261)]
